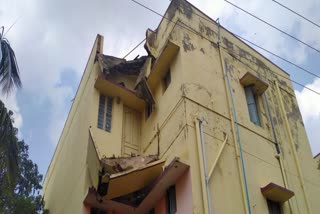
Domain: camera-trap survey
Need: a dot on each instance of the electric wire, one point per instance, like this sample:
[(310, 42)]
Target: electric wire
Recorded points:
[(134, 48), (14, 23), (185, 26), (301, 16), (234, 53), (176, 23), (266, 50), (280, 57), (267, 23)]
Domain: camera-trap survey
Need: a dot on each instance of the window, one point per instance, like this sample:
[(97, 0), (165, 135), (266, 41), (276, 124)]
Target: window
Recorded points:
[(171, 200), (252, 105), (105, 113), (149, 108), (166, 80), (274, 207), (97, 211), (152, 211)]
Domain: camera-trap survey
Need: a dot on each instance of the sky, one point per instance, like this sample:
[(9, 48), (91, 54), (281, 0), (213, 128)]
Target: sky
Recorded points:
[(52, 41)]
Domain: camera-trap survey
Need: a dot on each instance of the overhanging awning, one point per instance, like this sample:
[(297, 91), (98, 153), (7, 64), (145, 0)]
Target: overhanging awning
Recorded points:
[(162, 63), (106, 86), (259, 86), (167, 178), (276, 193)]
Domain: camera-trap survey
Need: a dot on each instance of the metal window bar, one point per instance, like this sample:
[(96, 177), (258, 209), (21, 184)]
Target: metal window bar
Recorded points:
[(101, 111), (109, 114)]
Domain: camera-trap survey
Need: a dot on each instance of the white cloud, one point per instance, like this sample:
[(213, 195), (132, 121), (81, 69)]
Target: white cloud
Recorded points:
[(53, 35), (309, 104), (59, 100), (309, 101)]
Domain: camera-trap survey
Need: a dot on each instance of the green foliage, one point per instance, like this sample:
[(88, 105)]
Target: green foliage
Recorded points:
[(19, 176), (8, 148)]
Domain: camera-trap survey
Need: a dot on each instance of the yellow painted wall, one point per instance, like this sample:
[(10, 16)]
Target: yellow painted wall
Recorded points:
[(63, 187), (68, 178), (197, 90), (202, 89)]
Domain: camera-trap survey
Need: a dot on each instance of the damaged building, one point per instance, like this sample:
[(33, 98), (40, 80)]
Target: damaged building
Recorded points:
[(202, 124)]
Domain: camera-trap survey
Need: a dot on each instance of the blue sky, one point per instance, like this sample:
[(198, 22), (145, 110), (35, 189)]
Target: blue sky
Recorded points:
[(53, 39)]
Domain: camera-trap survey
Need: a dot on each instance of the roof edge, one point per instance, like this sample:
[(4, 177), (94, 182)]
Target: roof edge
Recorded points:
[(228, 31)]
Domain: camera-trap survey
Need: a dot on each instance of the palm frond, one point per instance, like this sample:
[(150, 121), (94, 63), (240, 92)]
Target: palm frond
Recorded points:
[(9, 69)]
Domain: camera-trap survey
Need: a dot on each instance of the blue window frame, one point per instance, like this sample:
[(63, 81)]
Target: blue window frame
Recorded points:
[(252, 105)]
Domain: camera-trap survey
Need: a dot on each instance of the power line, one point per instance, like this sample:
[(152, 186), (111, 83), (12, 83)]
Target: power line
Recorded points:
[(310, 21), (134, 48), (234, 53), (199, 34), (264, 49), (278, 29), (155, 12), (280, 57), (15, 22)]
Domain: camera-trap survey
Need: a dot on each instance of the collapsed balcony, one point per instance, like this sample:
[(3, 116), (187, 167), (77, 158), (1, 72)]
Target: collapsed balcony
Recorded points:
[(133, 184), (124, 79)]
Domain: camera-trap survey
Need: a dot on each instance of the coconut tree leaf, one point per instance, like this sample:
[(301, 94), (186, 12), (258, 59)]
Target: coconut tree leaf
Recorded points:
[(9, 69)]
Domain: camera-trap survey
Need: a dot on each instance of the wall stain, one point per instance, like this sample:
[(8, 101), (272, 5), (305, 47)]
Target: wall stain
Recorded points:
[(214, 45), (263, 71), (207, 30), (294, 114), (187, 86), (284, 83), (229, 45), (278, 115), (202, 50), (183, 6), (201, 27), (187, 45), (172, 10)]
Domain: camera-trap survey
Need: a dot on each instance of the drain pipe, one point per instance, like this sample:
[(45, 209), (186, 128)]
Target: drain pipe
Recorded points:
[(238, 138), (235, 130), (278, 155), (286, 122), (202, 166)]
